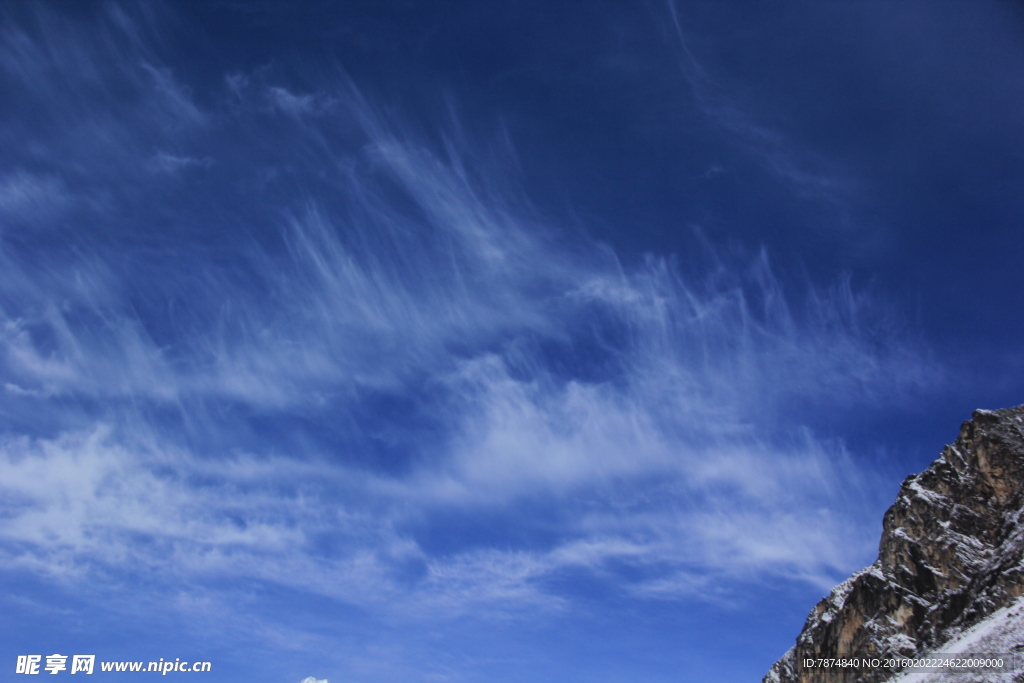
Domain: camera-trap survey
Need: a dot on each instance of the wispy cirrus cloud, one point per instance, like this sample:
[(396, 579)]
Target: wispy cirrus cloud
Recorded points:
[(804, 172), (165, 162), (32, 197), (671, 388), (360, 395), (94, 106), (297, 105)]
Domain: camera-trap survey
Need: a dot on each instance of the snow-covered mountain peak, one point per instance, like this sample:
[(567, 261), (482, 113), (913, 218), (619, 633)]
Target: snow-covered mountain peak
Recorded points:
[(950, 557)]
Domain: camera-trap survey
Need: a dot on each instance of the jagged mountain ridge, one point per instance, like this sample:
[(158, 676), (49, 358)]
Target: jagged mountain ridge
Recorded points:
[(950, 555)]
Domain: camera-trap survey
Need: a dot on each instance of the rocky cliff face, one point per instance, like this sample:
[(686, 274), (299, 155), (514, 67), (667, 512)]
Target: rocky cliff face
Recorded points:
[(950, 555)]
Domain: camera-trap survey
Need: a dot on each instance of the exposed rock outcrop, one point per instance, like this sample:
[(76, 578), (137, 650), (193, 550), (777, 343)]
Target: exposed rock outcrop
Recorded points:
[(950, 555)]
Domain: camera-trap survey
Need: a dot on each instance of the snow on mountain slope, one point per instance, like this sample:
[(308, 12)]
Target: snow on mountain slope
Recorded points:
[(1000, 633)]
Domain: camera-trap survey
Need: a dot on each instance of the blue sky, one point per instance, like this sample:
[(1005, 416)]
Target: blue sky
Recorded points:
[(491, 341)]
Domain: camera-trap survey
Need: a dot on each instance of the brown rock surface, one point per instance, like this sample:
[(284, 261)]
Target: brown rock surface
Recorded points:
[(950, 555)]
